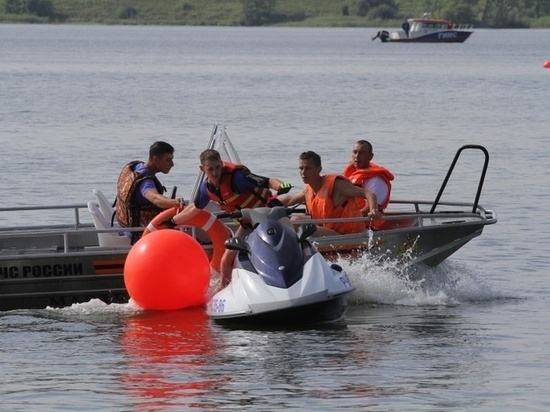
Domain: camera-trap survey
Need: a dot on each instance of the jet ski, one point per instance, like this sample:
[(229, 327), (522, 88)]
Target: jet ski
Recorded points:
[(279, 278)]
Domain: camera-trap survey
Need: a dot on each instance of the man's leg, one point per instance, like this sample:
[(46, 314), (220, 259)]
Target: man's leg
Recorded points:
[(228, 258)]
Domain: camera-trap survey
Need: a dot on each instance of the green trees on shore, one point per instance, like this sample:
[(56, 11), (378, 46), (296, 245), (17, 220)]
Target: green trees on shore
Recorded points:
[(366, 13)]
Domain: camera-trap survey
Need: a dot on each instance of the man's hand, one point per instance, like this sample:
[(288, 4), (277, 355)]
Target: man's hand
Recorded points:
[(169, 223), (284, 188)]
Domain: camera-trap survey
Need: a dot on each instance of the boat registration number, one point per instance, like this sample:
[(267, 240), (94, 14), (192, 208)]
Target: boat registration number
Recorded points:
[(217, 305), (345, 280)]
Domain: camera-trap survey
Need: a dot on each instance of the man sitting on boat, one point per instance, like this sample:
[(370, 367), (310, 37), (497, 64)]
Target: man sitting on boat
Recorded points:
[(331, 196), (232, 187), (139, 192), (362, 172)]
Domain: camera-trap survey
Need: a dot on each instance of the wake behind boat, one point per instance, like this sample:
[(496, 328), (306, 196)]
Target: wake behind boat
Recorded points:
[(427, 30), (82, 257)]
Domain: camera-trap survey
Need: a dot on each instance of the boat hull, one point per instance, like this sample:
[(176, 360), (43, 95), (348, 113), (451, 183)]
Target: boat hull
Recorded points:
[(422, 244), (62, 280), (441, 37)]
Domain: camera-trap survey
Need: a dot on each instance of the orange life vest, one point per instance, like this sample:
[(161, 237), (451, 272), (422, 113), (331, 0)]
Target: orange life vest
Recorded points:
[(359, 176), (228, 198), (127, 213), (320, 206)]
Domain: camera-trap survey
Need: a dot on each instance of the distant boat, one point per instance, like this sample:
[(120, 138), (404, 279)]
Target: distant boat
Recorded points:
[(427, 30)]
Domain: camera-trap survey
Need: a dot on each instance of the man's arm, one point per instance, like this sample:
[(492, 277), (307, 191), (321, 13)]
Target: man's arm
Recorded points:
[(186, 214), (260, 181), (295, 199), (161, 201), (345, 188)]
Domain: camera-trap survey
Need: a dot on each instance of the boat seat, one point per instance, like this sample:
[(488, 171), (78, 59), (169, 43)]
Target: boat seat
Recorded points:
[(107, 239), (104, 206)]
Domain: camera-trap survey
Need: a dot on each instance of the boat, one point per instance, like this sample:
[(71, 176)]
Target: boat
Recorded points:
[(427, 30), (81, 257), (279, 277)]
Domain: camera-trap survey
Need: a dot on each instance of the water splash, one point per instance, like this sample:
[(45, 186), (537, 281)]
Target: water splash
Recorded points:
[(379, 279), (98, 307)]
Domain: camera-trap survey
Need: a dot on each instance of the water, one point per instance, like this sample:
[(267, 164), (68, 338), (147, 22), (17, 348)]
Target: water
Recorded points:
[(76, 103)]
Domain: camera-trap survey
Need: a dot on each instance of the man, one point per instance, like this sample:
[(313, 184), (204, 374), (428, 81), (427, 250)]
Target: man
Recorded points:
[(232, 187), (139, 193), (361, 171), (331, 196)]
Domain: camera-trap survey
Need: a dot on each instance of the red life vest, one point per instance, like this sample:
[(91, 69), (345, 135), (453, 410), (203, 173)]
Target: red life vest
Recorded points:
[(320, 206), (229, 199), (359, 176)]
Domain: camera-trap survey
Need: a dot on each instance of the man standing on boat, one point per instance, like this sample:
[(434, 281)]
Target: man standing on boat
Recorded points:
[(139, 193), (331, 197), (232, 187), (362, 172)]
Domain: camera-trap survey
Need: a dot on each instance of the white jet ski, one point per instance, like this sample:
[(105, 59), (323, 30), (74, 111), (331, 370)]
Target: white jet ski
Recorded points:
[(279, 277)]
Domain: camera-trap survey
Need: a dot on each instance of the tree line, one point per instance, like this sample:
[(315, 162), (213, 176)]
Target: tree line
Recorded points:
[(482, 13)]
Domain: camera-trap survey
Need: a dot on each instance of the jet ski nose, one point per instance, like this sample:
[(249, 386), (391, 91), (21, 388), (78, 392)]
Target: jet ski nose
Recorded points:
[(271, 232)]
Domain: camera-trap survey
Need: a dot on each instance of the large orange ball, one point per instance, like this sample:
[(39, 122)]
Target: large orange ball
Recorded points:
[(167, 269)]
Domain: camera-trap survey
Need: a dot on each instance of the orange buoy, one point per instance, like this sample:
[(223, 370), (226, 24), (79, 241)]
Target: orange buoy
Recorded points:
[(204, 220), (167, 270), (547, 64)]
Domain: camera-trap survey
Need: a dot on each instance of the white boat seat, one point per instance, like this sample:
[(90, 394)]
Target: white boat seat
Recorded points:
[(104, 206), (107, 239)]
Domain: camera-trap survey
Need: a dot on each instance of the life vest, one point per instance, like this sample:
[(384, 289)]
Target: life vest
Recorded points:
[(359, 176), (320, 206), (229, 199), (129, 214)]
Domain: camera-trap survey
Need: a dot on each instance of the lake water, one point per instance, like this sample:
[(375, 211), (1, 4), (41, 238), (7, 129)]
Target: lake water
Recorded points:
[(78, 102)]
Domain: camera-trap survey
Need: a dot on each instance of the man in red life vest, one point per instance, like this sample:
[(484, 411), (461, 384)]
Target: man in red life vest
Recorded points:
[(331, 196), (232, 187), (362, 172)]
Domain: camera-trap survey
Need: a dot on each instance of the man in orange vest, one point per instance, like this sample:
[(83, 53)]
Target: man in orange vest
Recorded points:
[(362, 172), (330, 197)]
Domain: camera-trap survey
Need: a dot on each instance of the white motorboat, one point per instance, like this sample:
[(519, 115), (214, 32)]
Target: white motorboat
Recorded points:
[(82, 257), (427, 30)]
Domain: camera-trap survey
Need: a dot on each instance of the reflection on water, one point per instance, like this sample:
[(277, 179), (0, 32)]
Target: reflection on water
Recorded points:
[(165, 354)]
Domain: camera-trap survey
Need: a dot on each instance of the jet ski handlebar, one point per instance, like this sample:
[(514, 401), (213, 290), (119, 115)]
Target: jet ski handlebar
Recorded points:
[(258, 215)]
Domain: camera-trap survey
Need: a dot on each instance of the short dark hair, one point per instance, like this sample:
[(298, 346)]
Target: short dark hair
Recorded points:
[(309, 155), (159, 148), (210, 154), (365, 143)]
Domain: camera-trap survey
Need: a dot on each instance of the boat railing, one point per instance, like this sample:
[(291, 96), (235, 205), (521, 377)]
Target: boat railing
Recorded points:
[(437, 202), (488, 216), (75, 221), (417, 212)]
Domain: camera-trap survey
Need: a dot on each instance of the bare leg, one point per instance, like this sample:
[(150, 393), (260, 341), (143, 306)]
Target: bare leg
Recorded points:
[(228, 258)]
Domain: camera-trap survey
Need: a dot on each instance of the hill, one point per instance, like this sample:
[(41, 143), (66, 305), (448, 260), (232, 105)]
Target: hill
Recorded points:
[(306, 13)]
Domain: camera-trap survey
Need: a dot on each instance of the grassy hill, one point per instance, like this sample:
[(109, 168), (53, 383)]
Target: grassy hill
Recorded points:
[(181, 12), (321, 13)]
